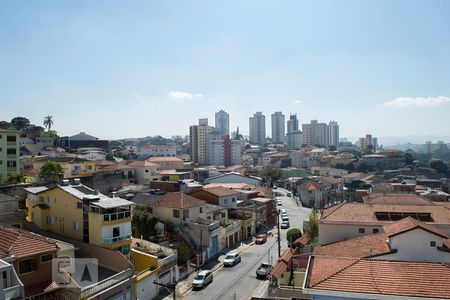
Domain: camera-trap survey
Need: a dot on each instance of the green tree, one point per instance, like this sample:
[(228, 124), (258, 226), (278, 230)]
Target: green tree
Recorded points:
[(5, 125), (48, 122), (20, 123), (293, 234), (145, 225), (409, 160), (183, 254), (16, 178), (439, 166), (332, 148), (271, 173), (313, 228), (50, 171)]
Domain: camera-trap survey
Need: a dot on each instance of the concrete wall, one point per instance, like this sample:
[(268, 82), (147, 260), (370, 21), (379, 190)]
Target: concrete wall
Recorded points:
[(414, 245), (331, 233)]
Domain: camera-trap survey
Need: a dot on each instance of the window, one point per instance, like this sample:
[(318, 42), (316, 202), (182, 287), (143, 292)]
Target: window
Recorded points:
[(5, 279), (49, 220), (432, 243), (11, 138), (46, 258), (201, 209), (11, 151), (146, 171), (79, 205), (11, 164), (225, 201), (116, 231), (361, 230), (25, 266), (375, 230), (185, 214), (233, 199), (48, 199), (176, 213), (75, 226)]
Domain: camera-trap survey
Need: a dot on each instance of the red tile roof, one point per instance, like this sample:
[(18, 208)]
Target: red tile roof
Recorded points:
[(310, 186), (330, 179), (283, 263), (408, 224), (303, 240), (221, 191), (362, 246), (178, 200), (164, 159), (379, 277), (22, 243), (399, 199)]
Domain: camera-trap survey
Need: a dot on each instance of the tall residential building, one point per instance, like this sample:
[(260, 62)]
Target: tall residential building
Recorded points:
[(292, 123), (294, 139), (222, 151), (222, 122), (197, 135), (9, 153), (258, 129), (278, 130), (315, 133), (333, 134), (368, 143)]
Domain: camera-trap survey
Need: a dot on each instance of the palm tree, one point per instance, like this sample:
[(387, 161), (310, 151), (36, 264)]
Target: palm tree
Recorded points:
[(48, 122)]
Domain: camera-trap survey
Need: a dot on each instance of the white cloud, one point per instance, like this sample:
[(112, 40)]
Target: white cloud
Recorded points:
[(417, 101), (297, 101), (182, 97)]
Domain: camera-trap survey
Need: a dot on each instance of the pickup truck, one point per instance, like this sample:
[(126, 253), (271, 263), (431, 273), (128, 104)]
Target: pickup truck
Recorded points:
[(263, 271)]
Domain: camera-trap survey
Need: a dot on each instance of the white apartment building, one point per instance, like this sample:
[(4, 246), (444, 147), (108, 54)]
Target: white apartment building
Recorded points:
[(430, 147), (333, 134), (221, 151), (197, 135), (157, 151), (258, 129), (315, 133), (368, 142), (292, 123), (278, 129), (294, 139), (222, 122)]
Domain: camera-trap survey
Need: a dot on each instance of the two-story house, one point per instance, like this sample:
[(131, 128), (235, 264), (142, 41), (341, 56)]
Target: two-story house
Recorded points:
[(82, 214), (311, 194), (10, 214), (218, 195)]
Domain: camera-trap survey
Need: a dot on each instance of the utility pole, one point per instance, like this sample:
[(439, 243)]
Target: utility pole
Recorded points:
[(278, 229), (171, 287)]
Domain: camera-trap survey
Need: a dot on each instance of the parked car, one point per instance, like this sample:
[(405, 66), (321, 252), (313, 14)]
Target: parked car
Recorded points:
[(284, 214), (284, 218), (231, 259), (279, 203), (261, 239), (289, 194), (202, 279), (274, 187), (285, 225), (264, 270), (283, 211)]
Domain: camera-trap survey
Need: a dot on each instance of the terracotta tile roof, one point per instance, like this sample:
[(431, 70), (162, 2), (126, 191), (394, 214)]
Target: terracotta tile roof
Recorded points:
[(310, 186), (408, 224), (22, 243), (221, 191), (365, 213), (330, 179), (400, 199), (380, 277), (283, 263), (362, 246), (141, 163), (352, 175), (303, 240), (179, 200)]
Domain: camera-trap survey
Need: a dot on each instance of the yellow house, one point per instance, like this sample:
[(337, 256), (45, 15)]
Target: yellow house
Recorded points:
[(74, 167), (80, 213)]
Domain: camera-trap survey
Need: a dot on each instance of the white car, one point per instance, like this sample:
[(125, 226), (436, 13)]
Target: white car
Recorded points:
[(202, 279), (284, 218), (279, 203), (231, 259)]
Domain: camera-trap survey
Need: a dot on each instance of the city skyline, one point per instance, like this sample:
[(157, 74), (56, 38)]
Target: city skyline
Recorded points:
[(373, 67)]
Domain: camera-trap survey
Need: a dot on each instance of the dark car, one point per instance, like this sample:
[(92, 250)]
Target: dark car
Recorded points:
[(261, 238)]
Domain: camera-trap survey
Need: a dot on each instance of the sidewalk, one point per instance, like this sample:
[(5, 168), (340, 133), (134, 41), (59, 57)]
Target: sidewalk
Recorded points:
[(214, 265)]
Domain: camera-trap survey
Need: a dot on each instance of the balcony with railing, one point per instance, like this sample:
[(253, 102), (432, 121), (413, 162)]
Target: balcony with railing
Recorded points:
[(126, 214), (116, 239), (97, 288)]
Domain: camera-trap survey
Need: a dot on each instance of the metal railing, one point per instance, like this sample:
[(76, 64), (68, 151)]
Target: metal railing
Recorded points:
[(116, 239), (117, 216), (106, 283)]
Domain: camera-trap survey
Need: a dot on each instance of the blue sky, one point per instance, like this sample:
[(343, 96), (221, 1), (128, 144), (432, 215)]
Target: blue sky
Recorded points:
[(135, 68)]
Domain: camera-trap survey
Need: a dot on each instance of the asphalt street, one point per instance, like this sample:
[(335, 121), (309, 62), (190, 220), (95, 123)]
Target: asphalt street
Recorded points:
[(239, 281)]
